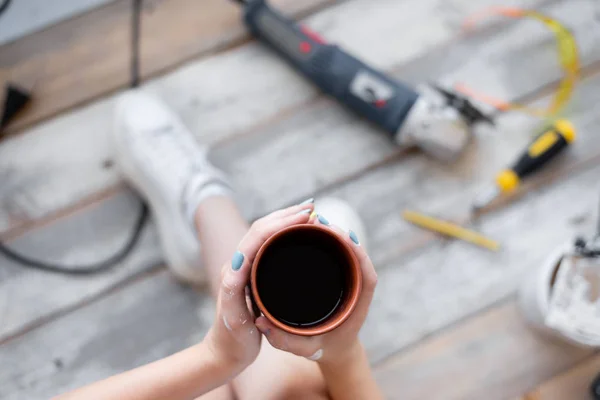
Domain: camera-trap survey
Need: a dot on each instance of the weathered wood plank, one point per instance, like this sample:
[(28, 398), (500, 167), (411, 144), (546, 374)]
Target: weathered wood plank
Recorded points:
[(573, 384), (349, 146), (448, 281), (28, 16), (65, 62), (454, 294), (399, 181), (413, 300), (493, 355), (458, 268), (29, 298), (88, 56), (129, 328), (228, 95), (19, 200), (448, 191)]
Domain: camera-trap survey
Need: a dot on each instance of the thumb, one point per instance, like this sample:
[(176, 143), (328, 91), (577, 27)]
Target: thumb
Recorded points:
[(234, 309)]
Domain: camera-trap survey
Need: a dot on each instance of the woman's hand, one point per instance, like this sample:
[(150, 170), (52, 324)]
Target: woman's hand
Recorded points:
[(234, 339), (341, 343)]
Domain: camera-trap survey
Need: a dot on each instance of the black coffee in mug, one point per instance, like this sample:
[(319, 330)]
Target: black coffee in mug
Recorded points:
[(301, 277)]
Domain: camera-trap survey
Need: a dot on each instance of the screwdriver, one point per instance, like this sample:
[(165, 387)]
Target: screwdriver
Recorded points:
[(542, 150)]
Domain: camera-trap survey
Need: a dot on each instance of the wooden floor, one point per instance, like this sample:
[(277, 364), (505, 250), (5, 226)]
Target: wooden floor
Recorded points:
[(445, 322)]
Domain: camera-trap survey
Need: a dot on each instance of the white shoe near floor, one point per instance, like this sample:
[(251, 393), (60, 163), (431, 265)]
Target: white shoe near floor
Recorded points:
[(340, 213), (534, 293), (160, 158), (557, 297)]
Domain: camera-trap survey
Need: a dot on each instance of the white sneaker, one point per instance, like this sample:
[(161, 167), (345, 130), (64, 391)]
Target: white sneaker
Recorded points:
[(340, 213), (558, 297), (535, 290), (161, 159)]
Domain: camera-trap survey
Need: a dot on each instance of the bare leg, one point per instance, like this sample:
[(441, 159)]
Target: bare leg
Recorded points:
[(162, 160), (220, 228)]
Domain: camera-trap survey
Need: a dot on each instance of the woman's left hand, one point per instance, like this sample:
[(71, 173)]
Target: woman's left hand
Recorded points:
[(234, 339)]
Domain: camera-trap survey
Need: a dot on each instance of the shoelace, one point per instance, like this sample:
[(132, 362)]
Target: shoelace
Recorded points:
[(172, 157)]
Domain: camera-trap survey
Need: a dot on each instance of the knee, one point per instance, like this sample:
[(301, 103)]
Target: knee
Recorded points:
[(302, 389), (306, 383)]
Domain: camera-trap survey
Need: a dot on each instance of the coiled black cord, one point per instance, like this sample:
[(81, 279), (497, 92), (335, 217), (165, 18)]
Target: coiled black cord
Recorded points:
[(141, 220), (4, 5)]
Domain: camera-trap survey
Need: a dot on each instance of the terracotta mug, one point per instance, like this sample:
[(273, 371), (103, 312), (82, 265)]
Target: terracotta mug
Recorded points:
[(305, 280)]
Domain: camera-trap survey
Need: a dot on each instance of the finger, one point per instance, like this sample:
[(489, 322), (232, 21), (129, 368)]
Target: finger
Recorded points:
[(313, 218), (309, 347), (235, 314), (235, 277), (259, 233), (252, 307), (338, 231), (369, 276), (366, 266)]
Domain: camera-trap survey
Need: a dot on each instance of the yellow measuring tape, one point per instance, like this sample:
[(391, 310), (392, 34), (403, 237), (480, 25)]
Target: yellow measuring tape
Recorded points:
[(568, 58), (450, 229), (569, 63)]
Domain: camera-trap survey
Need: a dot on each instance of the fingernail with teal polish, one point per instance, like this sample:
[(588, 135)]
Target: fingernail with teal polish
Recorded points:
[(307, 211), (237, 261), (308, 201), (353, 237), (323, 220)]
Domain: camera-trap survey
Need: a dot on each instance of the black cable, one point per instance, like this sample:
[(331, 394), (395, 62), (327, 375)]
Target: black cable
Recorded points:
[(86, 269), (598, 222), (4, 6), (136, 15), (144, 211)]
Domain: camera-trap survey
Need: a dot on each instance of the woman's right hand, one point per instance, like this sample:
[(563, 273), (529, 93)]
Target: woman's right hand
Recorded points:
[(233, 338), (339, 344)]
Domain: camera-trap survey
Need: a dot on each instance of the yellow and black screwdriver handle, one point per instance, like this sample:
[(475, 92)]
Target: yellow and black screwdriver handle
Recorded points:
[(543, 149)]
